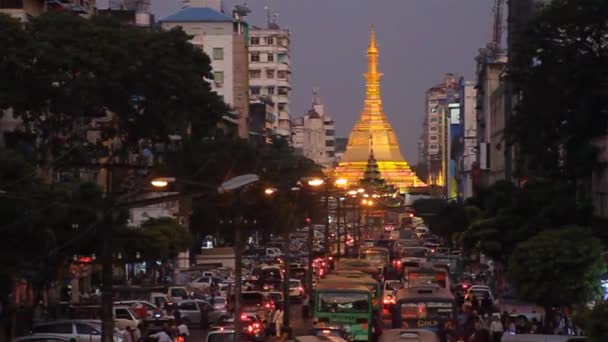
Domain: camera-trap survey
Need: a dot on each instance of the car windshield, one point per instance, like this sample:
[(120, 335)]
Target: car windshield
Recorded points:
[(219, 300), (277, 297), (394, 285), (343, 302), (427, 310), (272, 273), (294, 284), (375, 256), (385, 243), (414, 252), (252, 298)]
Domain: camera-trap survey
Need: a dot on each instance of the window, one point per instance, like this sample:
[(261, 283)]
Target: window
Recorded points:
[(122, 314), (218, 54), (434, 109), (86, 329), (61, 328), (187, 306), (433, 119), (433, 137), (330, 132), (255, 90), (269, 73), (329, 143), (433, 129), (254, 74), (331, 154), (282, 57), (255, 57), (283, 91), (218, 77), (269, 40), (254, 41), (282, 106), (270, 57), (270, 90), (433, 147), (282, 74)]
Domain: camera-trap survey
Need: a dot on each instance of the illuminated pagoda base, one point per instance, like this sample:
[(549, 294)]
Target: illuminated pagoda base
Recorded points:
[(373, 132)]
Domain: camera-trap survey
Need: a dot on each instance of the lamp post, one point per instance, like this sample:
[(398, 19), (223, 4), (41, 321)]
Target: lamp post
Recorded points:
[(228, 186)]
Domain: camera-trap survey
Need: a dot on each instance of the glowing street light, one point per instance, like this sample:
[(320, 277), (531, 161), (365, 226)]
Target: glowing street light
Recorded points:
[(360, 190), (341, 182), (161, 182), (316, 182), (352, 192), (270, 191)]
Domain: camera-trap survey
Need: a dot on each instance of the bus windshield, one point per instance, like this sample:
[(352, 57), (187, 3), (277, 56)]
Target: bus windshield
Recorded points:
[(343, 302), (427, 310), (420, 278), (378, 257)]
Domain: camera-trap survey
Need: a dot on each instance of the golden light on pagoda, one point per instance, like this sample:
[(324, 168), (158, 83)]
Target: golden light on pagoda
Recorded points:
[(373, 132)]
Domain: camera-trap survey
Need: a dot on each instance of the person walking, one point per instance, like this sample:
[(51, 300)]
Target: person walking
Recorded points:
[(278, 321), (496, 328)]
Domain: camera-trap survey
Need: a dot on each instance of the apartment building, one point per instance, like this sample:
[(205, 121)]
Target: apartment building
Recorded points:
[(24, 9), (270, 72)]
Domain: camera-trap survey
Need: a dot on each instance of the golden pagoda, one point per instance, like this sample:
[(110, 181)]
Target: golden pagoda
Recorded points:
[(373, 132)]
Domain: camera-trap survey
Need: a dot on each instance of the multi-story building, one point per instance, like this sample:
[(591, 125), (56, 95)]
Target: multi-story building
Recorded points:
[(314, 135), (467, 159), (224, 39), (261, 120), (23, 9), (270, 72), (434, 146)]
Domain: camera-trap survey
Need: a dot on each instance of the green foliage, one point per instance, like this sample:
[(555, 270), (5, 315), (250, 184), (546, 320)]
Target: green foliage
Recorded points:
[(561, 55), (559, 267), (64, 71), (594, 322), (512, 215), (156, 239)]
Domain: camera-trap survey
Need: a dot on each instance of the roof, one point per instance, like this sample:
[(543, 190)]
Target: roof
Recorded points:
[(196, 14)]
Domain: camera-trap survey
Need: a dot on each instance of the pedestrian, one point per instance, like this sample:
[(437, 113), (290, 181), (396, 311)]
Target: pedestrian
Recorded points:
[(137, 332), (278, 321), (162, 336), (496, 328), (127, 335), (182, 329), (512, 329)]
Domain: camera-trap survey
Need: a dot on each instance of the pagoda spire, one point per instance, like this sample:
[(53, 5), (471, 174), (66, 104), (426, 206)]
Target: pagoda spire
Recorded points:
[(372, 76)]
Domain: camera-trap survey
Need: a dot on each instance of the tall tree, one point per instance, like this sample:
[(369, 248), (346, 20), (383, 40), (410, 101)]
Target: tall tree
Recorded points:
[(558, 267), (560, 70)]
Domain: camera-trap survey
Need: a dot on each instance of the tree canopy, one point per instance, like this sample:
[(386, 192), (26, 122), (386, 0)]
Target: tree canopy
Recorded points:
[(560, 267), (559, 66)]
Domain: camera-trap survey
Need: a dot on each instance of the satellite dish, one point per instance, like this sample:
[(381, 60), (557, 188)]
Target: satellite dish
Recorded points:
[(242, 9)]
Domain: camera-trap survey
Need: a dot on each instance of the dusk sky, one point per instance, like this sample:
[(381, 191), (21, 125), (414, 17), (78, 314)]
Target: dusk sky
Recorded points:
[(419, 41)]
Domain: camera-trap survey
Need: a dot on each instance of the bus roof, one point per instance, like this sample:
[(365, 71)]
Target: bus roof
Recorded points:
[(376, 248), (362, 280), (409, 335), (342, 287), (427, 292)]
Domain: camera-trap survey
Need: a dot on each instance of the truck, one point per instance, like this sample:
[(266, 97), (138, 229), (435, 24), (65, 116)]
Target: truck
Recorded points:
[(219, 257)]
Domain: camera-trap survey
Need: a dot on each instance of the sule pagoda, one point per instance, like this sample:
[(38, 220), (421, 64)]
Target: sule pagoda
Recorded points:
[(373, 136)]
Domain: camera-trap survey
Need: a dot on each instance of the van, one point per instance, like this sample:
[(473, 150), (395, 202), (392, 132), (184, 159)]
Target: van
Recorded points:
[(274, 252)]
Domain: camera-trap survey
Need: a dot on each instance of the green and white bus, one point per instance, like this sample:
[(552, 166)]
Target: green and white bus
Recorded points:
[(370, 283), (424, 307), (344, 305)]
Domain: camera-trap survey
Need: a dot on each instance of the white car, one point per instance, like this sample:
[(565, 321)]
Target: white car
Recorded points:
[(480, 292), (296, 290), (80, 330), (390, 287)]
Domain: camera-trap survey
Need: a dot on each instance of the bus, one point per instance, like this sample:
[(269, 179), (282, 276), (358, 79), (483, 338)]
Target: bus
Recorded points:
[(423, 307), (371, 284), (344, 304), (425, 274), (379, 255), (453, 262), (369, 267)]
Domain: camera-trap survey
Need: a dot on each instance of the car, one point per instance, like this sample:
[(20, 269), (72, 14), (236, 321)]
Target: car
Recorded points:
[(79, 330), (219, 303), (253, 326), (221, 334), (296, 290), (276, 297), (150, 308), (331, 331), (194, 312), (44, 338), (390, 287), (257, 303), (408, 335)]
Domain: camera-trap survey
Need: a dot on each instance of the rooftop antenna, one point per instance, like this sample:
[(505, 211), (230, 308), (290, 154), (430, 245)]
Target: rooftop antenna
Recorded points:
[(315, 96), (268, 16)]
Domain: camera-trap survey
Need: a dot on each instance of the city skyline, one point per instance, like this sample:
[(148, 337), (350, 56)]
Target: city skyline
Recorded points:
[(415, 52)]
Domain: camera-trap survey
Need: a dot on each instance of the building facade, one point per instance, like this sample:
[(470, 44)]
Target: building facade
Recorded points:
[(270, 72), (224, 39), (468, 163), (435, 142), (314, 134)]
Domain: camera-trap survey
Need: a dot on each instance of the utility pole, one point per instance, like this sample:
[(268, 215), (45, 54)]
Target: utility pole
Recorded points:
[(310, 258), (238, 279), (327, 244), (338, 228), (107, 297)]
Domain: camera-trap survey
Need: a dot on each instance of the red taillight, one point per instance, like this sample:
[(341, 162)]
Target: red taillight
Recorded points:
[(331, 258), (386, 301), (267, 305), (256, 325), (250, 328), (243, 317)]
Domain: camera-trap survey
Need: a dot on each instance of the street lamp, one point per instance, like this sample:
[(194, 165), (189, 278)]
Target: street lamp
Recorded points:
[(316, 182)]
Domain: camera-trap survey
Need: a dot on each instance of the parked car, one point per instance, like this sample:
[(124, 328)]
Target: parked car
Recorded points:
[(44, 338), (80, 330), (195, 311)]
